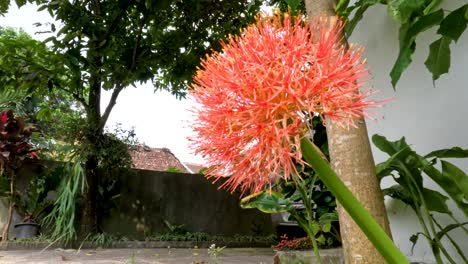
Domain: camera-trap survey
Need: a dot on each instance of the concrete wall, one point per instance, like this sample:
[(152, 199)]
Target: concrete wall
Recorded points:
[(148, 198), (429, 117)]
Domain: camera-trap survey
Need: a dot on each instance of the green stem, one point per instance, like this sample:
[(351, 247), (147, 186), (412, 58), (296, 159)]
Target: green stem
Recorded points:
[(419, 202), (455, 245), (309, 218), (355, 209)]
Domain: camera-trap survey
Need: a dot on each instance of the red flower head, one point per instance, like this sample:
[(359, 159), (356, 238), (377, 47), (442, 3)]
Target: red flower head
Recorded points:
[(252, 96)]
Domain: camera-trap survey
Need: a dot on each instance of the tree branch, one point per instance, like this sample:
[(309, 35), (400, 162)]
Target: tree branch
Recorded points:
[(137, 43), (113, 100), (114, 23)]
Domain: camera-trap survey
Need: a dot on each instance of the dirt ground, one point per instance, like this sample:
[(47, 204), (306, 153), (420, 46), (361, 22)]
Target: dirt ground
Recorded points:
[(138, 256)]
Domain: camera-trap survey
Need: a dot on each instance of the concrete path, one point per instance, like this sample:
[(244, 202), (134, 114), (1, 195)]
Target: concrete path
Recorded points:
[(138, 256)]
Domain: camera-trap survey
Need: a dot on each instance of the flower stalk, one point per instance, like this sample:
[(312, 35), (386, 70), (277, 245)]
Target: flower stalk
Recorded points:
[(353, 207)]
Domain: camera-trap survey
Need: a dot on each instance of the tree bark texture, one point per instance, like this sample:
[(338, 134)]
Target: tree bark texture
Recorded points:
[(351, 158), (91, 213)]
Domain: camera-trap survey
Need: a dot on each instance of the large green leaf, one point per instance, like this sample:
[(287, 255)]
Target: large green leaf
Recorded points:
[(389, 147), (454, 24), (455, 152), (404, 56), (435, 201), (447, 183), (409, 165), (458, 176), (407, 35), (267, 202), (402, 159), (438, 61)]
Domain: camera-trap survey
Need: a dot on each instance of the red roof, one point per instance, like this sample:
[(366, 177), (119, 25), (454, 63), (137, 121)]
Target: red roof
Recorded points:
[(157, 159)]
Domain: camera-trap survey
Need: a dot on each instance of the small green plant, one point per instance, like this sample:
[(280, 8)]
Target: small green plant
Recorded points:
[(204, 237), (63, 216), (31, 202), (408, 169), (214, 251), (175, 229), (102, 239), (173, 169)]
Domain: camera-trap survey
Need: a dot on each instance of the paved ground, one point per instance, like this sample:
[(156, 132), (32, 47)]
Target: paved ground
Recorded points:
[(138, 256)]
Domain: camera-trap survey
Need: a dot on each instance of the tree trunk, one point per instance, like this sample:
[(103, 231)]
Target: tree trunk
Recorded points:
[(90, 213), (352, 160)]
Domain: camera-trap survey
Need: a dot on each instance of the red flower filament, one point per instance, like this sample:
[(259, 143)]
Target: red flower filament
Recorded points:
[(251, 97)]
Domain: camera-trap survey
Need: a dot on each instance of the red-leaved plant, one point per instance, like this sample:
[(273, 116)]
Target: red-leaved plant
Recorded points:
[(14, 149)]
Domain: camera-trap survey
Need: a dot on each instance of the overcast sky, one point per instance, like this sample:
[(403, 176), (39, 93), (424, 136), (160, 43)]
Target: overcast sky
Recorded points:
[(159, 119)]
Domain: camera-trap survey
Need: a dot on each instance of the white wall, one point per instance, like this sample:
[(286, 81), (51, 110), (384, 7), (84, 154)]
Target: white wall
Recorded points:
[(429, 117)]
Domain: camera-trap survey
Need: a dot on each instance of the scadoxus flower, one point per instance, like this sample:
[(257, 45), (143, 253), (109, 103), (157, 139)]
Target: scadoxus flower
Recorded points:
[(251, 97)]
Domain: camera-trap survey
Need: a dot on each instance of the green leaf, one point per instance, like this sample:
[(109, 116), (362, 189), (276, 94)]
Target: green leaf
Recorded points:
[(447, 229), (44, 114), (294, 5), (341, 6), (389, 147), (454, 23), (401, 10), (458, 176), (430, 7), (267, 202), (455, 152), (438, 61), (448, 184), (435, 201), (407, 35), (315, 227), (363, 6), (328, 217), (398, 192), (403, 61), (326, 227)]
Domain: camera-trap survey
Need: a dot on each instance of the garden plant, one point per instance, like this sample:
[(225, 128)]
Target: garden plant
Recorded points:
[(255, 99)]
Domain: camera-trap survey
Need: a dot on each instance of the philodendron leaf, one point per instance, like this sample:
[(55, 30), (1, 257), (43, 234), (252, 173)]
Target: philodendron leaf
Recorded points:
[(438, 61), (455, 152), (267, 202), (454, 24)]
